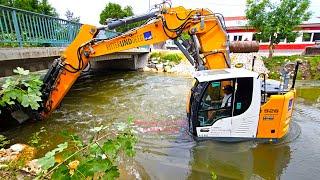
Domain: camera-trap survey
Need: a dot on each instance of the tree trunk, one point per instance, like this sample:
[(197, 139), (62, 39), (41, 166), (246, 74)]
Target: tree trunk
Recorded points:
[(271, 47)]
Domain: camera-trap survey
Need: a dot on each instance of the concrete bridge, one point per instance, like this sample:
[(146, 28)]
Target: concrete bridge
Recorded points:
[(40, 58), (48, 36)]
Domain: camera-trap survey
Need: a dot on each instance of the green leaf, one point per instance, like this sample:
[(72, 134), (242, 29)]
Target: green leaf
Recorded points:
[(95, 149), (112, 173), (111, 148), (96, 165), (48, 160), (23, 89), (21, 71), (61, 173), (25, 101)]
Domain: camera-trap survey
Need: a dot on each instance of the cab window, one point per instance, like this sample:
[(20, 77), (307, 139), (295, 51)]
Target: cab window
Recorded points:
[(216, 102), (224, 98)]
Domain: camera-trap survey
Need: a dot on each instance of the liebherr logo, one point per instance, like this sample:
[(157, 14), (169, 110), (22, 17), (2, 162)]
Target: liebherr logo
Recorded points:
[(125, 42)]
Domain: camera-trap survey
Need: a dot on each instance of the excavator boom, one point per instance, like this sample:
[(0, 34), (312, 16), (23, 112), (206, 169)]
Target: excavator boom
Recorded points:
[(208, 47)]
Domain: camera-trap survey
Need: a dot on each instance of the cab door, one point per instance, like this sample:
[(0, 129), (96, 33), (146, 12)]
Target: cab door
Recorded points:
[(246, 107), (208, 117)]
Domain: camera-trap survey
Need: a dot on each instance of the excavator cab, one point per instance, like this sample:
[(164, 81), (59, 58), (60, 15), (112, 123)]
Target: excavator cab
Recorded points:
[(215, 112), (252, 108)]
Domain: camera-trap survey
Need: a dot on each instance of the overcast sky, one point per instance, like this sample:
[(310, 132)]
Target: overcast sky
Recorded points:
[(89, 10)]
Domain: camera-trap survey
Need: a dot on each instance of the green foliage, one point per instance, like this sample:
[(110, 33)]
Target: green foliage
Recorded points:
[(3, 141), (96, 159), (23, 89), (214, 176), (38, 6), (35, 139), (174, 58), (115, 11), (309, 65), (274, 22), (185, 36)]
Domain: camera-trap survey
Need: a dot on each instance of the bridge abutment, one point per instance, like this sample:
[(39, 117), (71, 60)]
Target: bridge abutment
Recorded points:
[(36, 59)]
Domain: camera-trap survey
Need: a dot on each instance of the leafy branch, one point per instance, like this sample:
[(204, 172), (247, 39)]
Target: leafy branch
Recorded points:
[(24, 88), (96, 159)]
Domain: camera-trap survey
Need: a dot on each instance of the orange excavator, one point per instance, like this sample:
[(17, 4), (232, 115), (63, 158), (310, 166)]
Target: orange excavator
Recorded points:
[(249, 113)]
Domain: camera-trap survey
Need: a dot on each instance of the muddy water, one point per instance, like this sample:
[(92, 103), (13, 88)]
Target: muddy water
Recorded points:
[(165, 150)]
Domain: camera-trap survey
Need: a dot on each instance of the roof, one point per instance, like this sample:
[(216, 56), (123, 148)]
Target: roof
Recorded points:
[(239, 22), (235, 18), (212, 75)]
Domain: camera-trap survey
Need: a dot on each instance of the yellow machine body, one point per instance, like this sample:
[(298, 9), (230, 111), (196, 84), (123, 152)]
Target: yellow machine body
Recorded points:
[(210, 40)]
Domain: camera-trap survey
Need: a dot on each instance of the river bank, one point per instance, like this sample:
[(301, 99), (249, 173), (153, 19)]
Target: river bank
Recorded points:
[(309, 68), (159, 62)]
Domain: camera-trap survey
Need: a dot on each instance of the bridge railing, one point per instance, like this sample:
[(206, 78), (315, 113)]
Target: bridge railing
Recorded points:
[(23, 28), (28, 29)]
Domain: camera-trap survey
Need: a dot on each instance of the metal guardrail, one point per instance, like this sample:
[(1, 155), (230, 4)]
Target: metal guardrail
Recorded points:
[(24, 29)]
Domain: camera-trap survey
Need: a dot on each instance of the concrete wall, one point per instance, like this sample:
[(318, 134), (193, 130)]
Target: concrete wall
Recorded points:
[(34, 64), (125, 60), (36, 59)]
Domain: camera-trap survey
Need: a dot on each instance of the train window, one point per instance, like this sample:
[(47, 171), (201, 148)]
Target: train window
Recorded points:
[(237, 38), (316, 37), (306, 37), (254, 37)]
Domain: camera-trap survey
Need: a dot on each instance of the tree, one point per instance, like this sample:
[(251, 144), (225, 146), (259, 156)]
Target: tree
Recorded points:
[(115, 11), (70, 16), (275, 21), (38, 6)]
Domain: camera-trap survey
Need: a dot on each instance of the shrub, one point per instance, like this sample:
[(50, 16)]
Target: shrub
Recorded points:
[(166, 57), (97, 158), (24, 89), (175, 58), (274, 64)]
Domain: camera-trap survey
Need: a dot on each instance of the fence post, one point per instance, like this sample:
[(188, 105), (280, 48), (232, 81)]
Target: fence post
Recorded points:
[(16, 27), (70, 29)]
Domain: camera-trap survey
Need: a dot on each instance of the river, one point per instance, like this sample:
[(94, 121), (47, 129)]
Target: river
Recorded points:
[(156, 101)]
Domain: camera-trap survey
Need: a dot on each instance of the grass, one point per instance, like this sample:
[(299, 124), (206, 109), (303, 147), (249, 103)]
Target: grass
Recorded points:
[(308, 69)]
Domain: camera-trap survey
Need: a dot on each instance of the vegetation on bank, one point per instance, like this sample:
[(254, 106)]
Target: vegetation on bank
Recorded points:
[(75, 158), (166, 57), (309, 69)]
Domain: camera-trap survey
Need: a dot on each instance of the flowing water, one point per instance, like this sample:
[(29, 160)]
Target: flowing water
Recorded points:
[(165, 150)]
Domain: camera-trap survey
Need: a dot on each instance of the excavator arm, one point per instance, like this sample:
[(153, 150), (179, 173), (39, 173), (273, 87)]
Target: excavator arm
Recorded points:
[(208, 47)]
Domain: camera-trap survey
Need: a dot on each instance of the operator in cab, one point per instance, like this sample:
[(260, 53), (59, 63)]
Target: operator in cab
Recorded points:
[(226, 101)]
